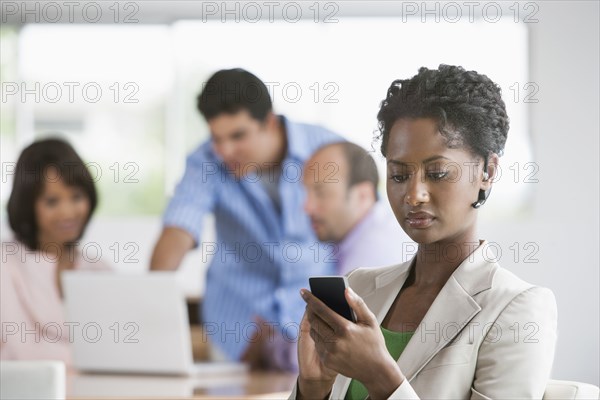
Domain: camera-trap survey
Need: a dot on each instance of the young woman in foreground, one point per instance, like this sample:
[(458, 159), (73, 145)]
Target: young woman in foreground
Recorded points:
[(450, 323)]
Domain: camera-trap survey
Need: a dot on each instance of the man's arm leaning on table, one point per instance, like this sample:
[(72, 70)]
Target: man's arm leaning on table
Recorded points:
[(170, 249), (194, 197)]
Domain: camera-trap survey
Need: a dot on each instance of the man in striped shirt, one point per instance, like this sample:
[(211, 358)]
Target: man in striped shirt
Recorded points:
[(249, 175)]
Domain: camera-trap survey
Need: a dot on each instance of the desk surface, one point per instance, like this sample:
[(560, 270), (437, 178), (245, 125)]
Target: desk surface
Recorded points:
[(259, 385)]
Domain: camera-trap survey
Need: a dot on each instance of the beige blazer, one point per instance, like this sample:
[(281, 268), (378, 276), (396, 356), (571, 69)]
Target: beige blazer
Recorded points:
[(487, 335)]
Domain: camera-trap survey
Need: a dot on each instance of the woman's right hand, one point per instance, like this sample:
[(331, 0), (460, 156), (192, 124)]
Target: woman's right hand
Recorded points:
[(315, 379)]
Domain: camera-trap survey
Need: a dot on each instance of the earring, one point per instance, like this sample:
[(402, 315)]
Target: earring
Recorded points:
[(481, 198)]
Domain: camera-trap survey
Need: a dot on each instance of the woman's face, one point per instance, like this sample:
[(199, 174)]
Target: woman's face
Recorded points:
[(61, 211), (430, 186)]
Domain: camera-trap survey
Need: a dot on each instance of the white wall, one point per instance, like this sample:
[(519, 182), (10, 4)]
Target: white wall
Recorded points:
[(564, 48)]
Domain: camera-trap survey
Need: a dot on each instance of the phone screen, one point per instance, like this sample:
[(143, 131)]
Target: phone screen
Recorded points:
[(330, 290)]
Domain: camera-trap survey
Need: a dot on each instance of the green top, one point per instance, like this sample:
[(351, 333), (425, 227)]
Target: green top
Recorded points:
[(395, 343)]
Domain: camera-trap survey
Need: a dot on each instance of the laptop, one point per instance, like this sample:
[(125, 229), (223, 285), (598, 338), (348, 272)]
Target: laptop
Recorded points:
[(132, 324)]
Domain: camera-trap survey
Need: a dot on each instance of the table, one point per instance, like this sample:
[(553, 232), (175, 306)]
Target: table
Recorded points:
[(257, 385)]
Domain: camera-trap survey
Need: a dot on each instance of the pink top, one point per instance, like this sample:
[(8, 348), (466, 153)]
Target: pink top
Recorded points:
[(31, 309)]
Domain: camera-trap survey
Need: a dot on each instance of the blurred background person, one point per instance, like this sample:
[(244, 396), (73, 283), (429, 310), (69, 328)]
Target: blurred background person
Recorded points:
[(249, 176), (51, 203), (343, 205)]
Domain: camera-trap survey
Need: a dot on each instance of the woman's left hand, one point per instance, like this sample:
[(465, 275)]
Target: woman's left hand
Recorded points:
[(356, 350)]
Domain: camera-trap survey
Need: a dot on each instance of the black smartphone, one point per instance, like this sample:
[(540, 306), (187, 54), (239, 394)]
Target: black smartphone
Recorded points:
[(330, 290)]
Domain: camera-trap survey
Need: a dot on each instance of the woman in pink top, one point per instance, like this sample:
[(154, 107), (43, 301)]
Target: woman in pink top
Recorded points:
[(51, 203)]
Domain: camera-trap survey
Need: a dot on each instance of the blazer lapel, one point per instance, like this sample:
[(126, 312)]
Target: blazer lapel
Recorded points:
[(450, 312)]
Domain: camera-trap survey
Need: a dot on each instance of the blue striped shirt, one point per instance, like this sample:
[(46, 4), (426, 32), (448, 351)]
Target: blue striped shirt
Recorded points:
[(262, 257)]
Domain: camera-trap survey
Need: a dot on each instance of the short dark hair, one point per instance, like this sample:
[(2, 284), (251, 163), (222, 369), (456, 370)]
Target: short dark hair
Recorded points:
[(361, 166), (467, 106), (28, 184), (231, 90)]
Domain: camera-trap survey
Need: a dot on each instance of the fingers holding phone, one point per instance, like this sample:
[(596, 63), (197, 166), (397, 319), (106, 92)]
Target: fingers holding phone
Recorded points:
[(353, 349), (315, 380)]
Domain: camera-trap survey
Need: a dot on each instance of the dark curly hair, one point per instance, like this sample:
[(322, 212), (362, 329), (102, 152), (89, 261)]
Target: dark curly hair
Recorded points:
[(467, 106)]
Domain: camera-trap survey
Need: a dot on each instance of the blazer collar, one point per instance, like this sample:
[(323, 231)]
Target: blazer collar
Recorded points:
[(470, 274), (449, 313)]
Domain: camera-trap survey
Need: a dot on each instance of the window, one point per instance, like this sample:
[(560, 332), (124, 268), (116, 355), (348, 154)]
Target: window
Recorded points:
[(125, 95)]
